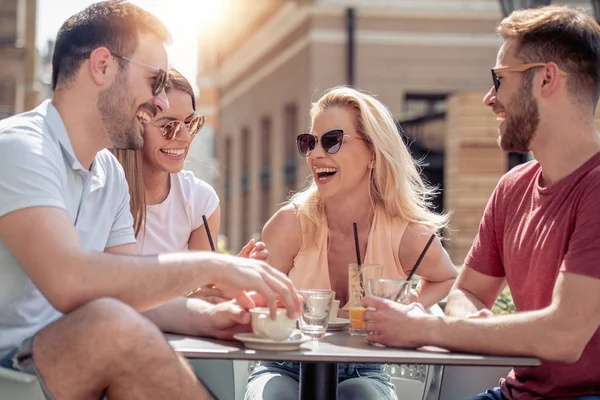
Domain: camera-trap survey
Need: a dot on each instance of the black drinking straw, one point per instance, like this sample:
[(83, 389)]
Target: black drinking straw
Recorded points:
[(360, 277), (210, 241), (414, 269)]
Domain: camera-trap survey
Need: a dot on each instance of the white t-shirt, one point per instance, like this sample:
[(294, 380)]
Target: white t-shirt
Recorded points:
[(38, 168), (170, 223)]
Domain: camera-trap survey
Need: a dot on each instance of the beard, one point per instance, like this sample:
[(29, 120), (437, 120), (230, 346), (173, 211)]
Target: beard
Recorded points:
[(521, 123), (118, 112)]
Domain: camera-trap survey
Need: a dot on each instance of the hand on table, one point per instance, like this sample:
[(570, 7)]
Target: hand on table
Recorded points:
[(225, 319), (237, 275), (394, 324)]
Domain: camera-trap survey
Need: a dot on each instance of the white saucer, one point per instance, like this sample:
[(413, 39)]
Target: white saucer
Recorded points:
[(338, 324), (252, 342)]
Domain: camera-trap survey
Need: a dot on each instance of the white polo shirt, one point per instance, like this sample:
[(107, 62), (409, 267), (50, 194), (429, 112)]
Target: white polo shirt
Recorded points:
[(38, 168)]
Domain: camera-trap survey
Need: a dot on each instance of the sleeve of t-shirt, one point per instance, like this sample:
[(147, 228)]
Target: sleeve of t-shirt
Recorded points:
[(122, 231), (205, 200), (485, 255), (583, 252), (31, 171)]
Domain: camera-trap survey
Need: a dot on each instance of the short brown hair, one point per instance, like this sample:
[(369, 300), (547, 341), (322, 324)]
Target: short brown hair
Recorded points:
[(114, 24), (560, 34)]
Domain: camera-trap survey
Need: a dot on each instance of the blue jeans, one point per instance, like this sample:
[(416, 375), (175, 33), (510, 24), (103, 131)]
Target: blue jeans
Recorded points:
[(496, 394), (275, 380)]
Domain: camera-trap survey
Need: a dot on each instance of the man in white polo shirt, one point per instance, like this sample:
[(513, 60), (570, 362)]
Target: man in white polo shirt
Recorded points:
[(71, 289)]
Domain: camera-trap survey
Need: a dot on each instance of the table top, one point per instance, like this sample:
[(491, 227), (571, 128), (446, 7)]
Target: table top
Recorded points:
[(337, 347)]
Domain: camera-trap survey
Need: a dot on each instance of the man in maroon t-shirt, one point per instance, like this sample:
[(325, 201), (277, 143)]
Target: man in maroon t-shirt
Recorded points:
[(540, 232)]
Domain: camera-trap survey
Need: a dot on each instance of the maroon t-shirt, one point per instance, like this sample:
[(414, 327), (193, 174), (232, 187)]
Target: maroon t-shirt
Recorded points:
[(528, 234)]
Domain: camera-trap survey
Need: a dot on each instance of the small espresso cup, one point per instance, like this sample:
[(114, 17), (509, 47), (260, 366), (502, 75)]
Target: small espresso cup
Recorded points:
[(335, 308), (279, 328)]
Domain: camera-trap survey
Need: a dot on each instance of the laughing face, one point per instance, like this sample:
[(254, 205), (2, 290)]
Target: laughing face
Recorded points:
[(347, 170), (162, 154), (128, 103), (514, 104)]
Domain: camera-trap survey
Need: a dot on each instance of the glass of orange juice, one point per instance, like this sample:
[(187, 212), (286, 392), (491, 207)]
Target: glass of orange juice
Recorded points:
[(358, 278)]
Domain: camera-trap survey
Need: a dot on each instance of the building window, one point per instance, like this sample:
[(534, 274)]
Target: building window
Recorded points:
[(290, 116), (418, 105), (265, 170)]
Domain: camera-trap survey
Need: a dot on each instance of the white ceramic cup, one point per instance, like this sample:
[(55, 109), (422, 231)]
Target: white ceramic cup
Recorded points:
[(279, 328), (333, 313)]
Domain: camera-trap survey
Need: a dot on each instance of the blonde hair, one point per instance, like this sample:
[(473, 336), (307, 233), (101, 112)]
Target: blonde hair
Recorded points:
[(395, 180)]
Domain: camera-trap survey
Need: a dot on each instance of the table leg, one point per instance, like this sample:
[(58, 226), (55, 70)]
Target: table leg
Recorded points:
[(318, 381)]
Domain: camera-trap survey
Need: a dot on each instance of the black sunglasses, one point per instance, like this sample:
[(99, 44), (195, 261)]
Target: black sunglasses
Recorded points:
[(171, 129), (161, 79), (331, 142)]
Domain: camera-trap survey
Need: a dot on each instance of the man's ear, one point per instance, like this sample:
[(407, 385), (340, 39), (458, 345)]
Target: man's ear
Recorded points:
[(101, 66)]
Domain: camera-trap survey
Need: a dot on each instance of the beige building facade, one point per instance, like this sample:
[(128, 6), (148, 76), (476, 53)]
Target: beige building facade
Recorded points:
[(18, 57), (428, 61)]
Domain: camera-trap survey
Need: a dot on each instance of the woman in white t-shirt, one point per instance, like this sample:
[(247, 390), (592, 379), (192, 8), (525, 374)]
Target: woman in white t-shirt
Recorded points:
[(168, 202)]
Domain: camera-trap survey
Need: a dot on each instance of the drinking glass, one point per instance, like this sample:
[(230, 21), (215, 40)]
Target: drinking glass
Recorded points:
[(358, 278), (315, 313), (393, 289)]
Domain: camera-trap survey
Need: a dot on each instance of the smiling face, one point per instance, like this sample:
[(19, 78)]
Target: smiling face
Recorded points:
[(514, 103), (168, 155), (347, 170), (129, 102)]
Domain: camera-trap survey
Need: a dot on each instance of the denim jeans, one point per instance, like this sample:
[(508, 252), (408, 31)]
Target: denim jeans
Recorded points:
[(279, 380), (496, 394)]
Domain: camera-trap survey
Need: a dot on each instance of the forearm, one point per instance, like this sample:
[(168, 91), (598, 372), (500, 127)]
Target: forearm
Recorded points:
[(509, 335), (181, 315), (462, 303), (143, 282), (430, 293)]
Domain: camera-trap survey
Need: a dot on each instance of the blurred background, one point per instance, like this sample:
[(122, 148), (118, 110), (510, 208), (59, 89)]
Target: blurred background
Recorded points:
[(257, 65)]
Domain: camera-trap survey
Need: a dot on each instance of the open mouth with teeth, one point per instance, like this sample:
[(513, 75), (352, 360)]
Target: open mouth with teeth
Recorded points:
[(143, 116), (173, 153), (501, 117), (324, 174)]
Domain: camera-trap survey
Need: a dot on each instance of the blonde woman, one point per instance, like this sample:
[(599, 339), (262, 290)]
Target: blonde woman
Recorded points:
[(362, 172)]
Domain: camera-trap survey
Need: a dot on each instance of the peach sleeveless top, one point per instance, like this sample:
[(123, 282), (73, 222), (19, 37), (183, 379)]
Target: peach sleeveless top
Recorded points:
[(311, 268)]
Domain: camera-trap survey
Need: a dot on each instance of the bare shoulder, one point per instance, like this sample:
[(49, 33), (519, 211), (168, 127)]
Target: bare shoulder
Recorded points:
[(413, 242), (283, 236), (284, 226)]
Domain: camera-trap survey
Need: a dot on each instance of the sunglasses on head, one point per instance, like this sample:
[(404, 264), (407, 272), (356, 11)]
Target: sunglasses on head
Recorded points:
[(171, 129), (331, 142), (161, 79)]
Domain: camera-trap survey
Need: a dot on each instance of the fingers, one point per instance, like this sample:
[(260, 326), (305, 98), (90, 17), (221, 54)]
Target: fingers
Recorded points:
[(245, 301), (261, 255), (483, 313), (284, 293), (245, 252), (374, 337), (375, 302)]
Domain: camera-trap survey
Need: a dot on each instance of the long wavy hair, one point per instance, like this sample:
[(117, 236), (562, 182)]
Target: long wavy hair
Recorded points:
[(133, 164), (395, 180)]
